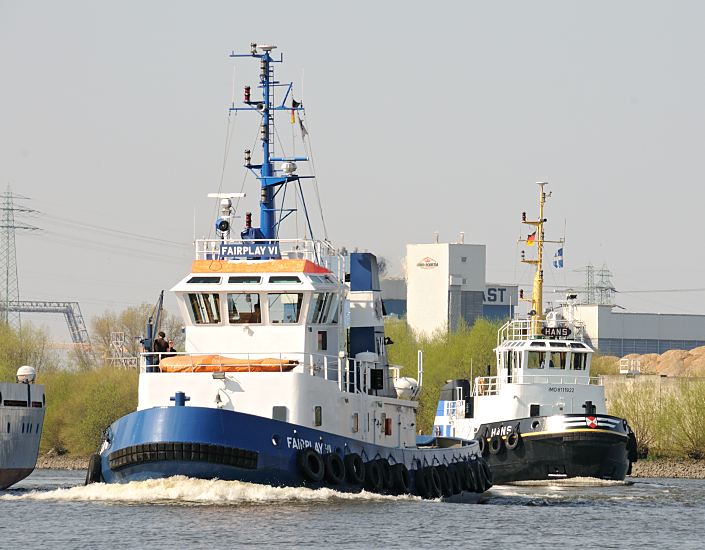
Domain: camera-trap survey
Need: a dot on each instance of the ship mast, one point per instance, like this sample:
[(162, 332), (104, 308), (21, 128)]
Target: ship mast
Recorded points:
[(538, 238), (272, 180)]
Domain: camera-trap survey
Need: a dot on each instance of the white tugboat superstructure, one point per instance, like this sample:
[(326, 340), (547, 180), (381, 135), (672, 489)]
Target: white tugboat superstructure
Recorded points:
[(542, 415), (284, 379)]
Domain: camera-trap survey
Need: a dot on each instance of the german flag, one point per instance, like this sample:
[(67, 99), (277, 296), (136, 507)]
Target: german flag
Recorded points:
[(531, 239)]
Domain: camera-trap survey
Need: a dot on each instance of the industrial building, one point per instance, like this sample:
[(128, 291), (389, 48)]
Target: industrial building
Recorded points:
[(615, 332), (445, 282)]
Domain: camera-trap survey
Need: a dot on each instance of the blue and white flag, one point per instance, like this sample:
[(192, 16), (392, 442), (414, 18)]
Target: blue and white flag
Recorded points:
[(558, 259)]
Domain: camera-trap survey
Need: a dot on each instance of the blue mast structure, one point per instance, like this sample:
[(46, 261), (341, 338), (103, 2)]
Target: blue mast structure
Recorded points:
[(272, 180)]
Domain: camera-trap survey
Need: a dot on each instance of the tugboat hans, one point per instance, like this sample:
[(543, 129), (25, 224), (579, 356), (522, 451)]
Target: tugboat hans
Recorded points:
[(542, 416), (285, 379), (22, 413)]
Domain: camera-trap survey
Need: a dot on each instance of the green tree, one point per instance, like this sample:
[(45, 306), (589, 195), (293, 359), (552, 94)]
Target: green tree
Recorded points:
[(28, 346), (132, 323), (461, 354)]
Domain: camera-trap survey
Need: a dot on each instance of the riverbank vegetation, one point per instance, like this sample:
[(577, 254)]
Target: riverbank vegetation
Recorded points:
[(667, 415), (464, 353)]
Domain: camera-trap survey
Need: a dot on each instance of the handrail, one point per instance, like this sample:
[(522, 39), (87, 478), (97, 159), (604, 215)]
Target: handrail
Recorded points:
[(320, 252), (490, 385), (523, 329), (351, 375)]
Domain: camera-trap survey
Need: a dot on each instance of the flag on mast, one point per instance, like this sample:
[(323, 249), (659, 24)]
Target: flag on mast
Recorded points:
[(558, 258), (531, 239)]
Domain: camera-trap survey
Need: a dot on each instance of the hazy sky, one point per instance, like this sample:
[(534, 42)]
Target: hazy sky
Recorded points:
[(423, 117)]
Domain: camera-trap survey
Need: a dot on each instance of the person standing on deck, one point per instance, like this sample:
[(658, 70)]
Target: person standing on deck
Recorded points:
[(160, 345)]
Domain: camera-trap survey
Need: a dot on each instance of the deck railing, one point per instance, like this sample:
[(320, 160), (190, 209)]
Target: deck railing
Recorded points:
[(352, 376), (490, 385), (319, 252), (523, 329)]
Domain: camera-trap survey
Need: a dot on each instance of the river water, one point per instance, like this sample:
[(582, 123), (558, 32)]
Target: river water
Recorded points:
[(52, 509)]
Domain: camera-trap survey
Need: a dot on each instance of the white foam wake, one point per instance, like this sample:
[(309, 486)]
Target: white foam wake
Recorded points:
[(184, 490), (572, 482)]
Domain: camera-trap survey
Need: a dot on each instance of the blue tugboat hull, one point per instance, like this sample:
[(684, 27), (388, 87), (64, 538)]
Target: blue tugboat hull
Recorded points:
[(211, 443)]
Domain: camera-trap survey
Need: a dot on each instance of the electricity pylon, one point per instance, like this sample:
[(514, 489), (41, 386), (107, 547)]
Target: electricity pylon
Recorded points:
[(9, 285)]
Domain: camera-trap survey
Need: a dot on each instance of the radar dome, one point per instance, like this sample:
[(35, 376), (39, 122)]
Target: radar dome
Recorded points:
[(406, 387), (26, 374)]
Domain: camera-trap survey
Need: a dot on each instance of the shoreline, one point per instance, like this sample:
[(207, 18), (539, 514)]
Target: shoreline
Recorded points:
[(659, 467)]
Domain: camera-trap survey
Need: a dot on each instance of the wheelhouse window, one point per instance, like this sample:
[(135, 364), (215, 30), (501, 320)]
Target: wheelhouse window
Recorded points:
[(244, 308), (333, 309), (245, 279), (535, 360), (285, 280), (319, 312), (285, 307), (557, 360), (205, 308), (203, 279), (579, 361)]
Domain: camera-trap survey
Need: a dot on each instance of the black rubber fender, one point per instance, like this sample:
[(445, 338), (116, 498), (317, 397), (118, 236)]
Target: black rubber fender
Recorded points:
[(486, 472), (481, 484), (421, 483), (428, 482), (334, 468), (386, 469), (458, 475), (311, 464), (632, 454), (513, 440), (470, 476), (446, 481), (94, 473), (496, 444), (401, 479), (374, 477), (354, 469)]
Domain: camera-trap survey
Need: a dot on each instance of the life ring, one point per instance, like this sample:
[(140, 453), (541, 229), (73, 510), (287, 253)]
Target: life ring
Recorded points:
[(94, 473), (311, 464), (513, 440), (334, 468), (386, 469), (401, 480), (354, 469), (374, 480), (496, 444)]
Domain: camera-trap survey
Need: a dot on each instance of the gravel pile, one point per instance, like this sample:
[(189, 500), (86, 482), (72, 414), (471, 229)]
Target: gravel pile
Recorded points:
[(62, 462), (691, 469)]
